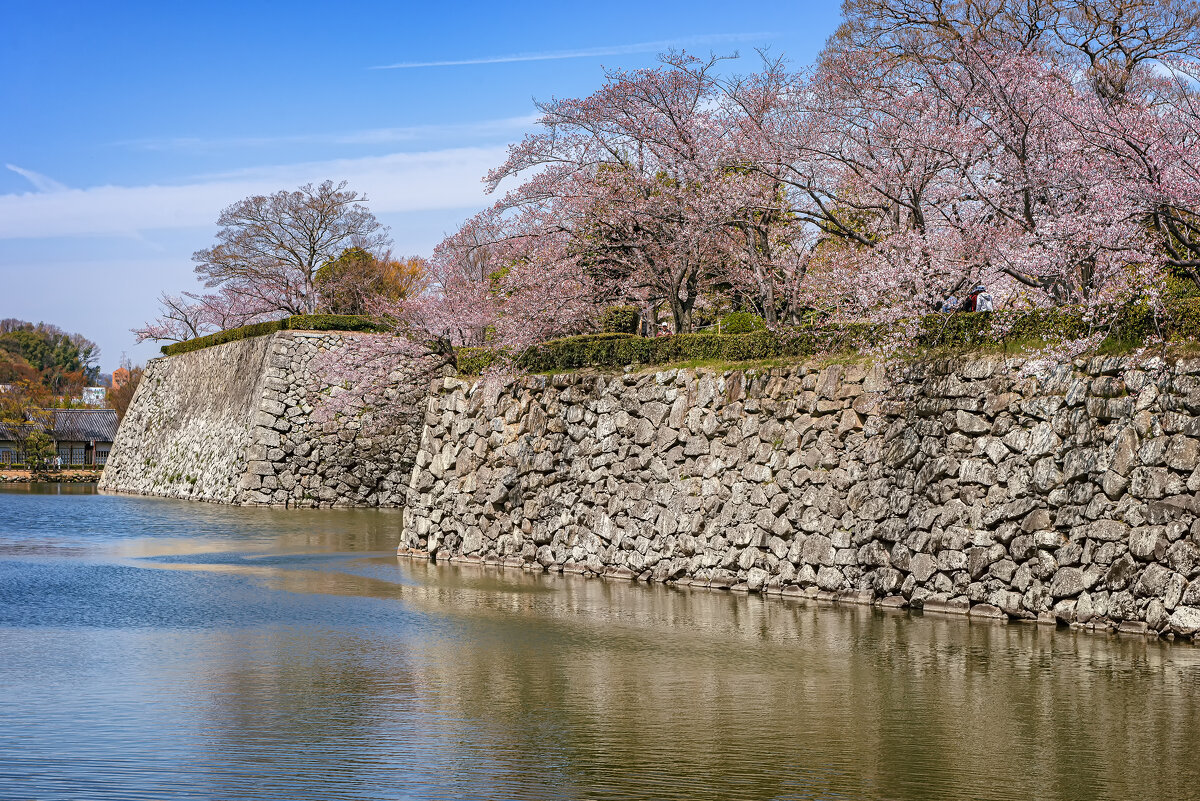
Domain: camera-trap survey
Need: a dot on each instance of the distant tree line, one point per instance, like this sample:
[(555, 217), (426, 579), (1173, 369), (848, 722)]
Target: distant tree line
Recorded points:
[(45, 354), (41, 367)]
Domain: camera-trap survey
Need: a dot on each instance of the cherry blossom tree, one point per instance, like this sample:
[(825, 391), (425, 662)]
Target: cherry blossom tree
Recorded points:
[(1153, 139), (1049, 149), (1113, 40), (630, 185), (863, 187), (1126, 132), (930, 174), (178, 319), (862, 156), (189, 314)]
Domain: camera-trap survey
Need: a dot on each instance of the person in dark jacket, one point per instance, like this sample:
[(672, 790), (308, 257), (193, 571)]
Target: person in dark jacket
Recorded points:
[(972, 299)]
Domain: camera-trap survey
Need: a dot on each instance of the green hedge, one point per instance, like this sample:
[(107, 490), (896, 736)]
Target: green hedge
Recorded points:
[(335, 322), (297, 322), (620, 320), (741, 323), (473, 361), (616, 350), (967, 329), (1182, 319), (1132, 324), (221, 337)]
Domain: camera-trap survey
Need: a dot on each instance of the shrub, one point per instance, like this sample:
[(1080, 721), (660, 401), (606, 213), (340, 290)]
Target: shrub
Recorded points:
[(335, 322), (298, 322), (473, 361), (618, 350), (39, 450), (1042, 324), (620, 320), (741, 322), (1178, 287), (1183, 319), (973, 329), (589, 350), (221, 337), (963, 329)]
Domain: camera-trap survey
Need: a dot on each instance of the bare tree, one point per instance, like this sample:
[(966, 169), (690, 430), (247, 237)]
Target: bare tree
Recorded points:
[(270, 247), (119, 397)]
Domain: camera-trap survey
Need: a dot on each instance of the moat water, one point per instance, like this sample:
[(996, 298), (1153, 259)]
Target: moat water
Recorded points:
[(163, 649)]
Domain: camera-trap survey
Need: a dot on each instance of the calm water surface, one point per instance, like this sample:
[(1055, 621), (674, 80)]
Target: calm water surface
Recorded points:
[(162, 649)]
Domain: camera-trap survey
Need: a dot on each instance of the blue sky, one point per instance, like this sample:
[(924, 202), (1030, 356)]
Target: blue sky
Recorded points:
[(129, 126)]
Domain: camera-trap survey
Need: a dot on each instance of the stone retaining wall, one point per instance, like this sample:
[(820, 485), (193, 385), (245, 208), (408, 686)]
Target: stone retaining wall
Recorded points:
[(187, 427), (961, 486), (234, 423)]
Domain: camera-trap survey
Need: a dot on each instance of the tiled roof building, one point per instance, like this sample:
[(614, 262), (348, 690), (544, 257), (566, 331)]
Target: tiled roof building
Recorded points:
[(81, 436), (80, 425)]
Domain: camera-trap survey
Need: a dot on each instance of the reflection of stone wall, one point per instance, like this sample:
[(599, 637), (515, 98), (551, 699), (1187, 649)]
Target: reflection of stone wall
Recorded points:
[(855, 704), (962, 486), (232, 424)]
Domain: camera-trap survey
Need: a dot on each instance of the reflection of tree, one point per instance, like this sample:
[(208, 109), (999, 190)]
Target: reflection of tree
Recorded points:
[(449, 681), (629, 687)]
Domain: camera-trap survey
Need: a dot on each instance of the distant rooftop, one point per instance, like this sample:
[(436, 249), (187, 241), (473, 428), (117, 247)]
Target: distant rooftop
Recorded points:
[(73, 425), (78, 425)]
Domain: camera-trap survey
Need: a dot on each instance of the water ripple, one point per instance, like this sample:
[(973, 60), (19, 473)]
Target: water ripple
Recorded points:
[(156, 649)]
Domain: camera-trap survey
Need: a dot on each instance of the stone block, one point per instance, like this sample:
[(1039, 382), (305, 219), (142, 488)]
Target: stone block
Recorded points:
[(1108, 530), (1148, 543), (968, 423), (947, 606), (923, 567), (1183, 453), (987, 611), (1067, 583), (1185, 620)]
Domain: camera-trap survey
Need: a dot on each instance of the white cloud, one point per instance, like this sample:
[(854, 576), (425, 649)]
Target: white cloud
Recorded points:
[(371, 136), (583, 52), (400, 182), (41, 183)]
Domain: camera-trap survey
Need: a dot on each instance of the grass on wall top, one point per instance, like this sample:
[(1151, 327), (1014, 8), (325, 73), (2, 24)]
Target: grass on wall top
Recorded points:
[(297, 322)]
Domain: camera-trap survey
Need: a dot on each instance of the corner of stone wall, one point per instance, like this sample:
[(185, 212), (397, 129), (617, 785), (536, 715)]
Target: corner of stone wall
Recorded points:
[(186, 425), (296, 460), (233, 424)]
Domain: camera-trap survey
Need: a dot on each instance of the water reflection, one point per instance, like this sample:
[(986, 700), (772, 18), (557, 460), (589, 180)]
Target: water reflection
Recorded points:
[(48, 488), (271, 654), (796, 700)]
